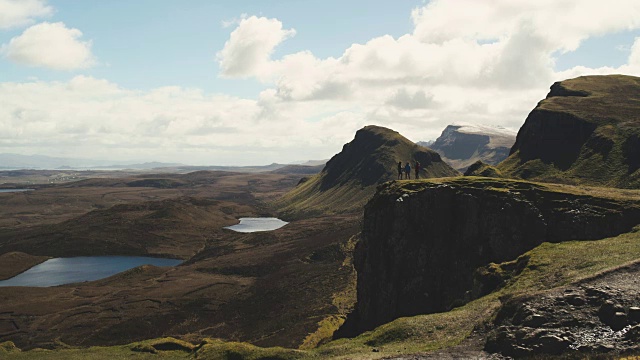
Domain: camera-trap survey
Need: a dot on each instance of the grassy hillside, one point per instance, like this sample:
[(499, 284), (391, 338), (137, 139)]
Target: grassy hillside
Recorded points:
[(587, 131), (349, 179)]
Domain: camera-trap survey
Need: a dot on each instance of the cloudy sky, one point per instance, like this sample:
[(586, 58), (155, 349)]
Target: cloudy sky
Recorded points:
[(250, 82)]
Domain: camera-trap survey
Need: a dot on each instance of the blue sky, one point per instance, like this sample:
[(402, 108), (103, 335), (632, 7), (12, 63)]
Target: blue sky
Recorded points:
[(254, 82), (145, 44)]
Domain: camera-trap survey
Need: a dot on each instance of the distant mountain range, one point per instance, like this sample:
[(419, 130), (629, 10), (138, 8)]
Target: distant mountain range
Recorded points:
[(17, 161), (42, 162), (461, 145)]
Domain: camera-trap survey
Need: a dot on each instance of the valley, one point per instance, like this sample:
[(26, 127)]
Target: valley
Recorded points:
[(535, 256)]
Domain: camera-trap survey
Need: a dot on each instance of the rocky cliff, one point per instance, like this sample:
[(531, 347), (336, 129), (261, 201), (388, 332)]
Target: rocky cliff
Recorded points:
[(422, 241), (586, 131), (349, 178), (462, 145)]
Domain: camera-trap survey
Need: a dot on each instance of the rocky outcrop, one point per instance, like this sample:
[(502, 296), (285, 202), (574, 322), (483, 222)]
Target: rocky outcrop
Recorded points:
[(586, 131), (350, 177), (462, 145), (422, 241), (596, 315)]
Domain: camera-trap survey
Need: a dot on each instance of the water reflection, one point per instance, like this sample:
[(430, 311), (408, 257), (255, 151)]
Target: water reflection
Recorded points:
[(257, 224), (60, 271)]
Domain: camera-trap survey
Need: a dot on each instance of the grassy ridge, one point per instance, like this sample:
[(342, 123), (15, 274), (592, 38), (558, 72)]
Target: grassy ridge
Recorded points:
[(587, 131)]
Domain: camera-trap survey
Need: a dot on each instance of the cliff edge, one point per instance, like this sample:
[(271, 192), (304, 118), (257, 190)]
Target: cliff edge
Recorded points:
[(423, 241)]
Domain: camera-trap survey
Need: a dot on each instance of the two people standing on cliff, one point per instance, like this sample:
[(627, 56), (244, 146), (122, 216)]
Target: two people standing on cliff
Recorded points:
[(407, 170)]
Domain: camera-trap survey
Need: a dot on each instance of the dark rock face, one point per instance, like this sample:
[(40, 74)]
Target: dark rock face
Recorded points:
[(586, 131), (461, 146), (458, 145), (552, 137), (558, 89), (422, 242), (597, 315)]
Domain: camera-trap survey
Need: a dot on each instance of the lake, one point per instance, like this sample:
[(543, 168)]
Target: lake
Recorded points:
[(59, 271), (247, 225), (14, 190)]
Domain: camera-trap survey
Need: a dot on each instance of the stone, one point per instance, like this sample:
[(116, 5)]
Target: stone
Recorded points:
[(633, 333), (535, 320), (603, 348), (552, 344), (618, 321), (634, 315), (606, 311), (575, 300)]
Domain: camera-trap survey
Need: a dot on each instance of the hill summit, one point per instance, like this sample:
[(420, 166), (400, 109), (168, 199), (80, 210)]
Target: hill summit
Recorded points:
[(349, 179), (586, 131)]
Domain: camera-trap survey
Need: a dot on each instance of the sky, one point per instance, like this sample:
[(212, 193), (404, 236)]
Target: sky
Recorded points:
[(252, 82)]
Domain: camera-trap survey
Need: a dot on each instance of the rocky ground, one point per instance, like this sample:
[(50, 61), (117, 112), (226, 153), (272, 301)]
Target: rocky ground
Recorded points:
[(600, 315)]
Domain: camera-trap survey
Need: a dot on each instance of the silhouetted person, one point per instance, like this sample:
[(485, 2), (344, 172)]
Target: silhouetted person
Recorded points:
[(399, 170), (417, 170), (407, 171)]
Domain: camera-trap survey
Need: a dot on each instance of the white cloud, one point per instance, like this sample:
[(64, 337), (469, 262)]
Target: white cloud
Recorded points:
[(465, 61), (15, 13), (50, 45), (478, 61), (634, 57), (250, 46), (563, 23), (89, 117), (406, 100)]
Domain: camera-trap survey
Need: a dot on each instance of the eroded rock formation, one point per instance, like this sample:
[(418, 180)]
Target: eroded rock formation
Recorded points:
[(422, 241)]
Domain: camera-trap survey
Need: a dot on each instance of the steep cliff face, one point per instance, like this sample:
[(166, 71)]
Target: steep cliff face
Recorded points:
[(586, 131), (462, 145), (349, 178), (422, 241)]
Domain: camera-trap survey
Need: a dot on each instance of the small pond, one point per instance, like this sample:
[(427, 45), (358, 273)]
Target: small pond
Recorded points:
[(14, 190), (59, 271), (247, 225)]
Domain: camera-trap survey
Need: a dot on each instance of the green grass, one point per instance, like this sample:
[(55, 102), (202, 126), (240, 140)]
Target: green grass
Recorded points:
[(611, 98), (495, 184), (481, 169)]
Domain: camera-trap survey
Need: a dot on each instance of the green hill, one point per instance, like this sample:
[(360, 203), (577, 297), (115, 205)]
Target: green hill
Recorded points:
[(586, 131), (350, 178)]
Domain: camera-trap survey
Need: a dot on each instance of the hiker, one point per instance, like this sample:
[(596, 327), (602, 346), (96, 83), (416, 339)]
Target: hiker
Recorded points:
[(417, 169), (407, 171), (399, 170)]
